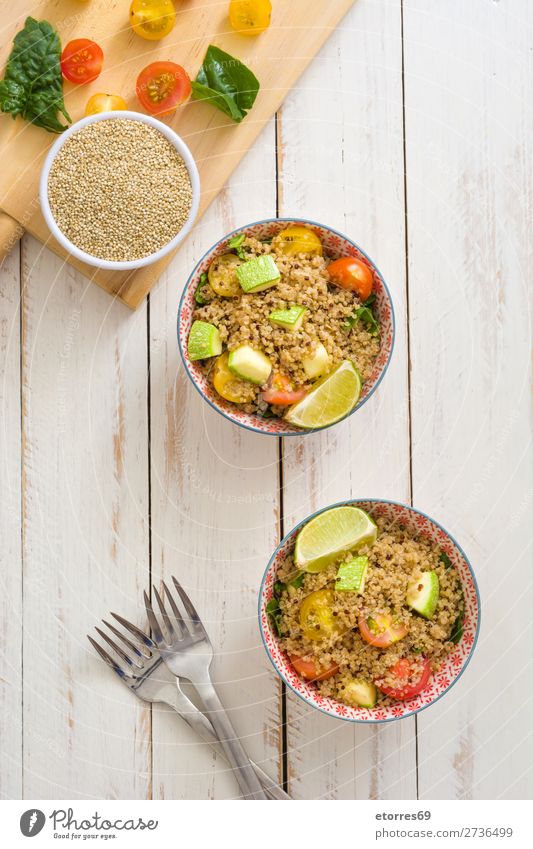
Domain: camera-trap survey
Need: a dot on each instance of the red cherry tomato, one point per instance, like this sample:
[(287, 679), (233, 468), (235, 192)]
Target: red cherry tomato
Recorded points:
[(280, 391), (307, 669), (81, 61), (412, 676), (352, 274), (381, 630), (162, 87)]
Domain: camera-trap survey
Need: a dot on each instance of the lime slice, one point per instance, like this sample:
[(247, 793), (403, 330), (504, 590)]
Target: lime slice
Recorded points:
[(330, 400), (330, 534)]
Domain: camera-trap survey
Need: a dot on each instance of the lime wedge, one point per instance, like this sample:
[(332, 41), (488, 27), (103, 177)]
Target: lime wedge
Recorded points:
[(330, 400), (330, 534)]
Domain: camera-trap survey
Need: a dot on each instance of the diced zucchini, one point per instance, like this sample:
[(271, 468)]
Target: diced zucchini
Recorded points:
[(317, 363), (258, 274), (249, 364), (351, 575), (291, 319), (360, 693), (423, 594), (204, 341)]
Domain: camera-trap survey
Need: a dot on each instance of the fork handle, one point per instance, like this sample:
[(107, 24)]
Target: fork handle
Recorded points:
[(237, 757)]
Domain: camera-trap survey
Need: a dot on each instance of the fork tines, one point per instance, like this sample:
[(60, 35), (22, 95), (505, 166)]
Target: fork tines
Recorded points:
[(129, 661)]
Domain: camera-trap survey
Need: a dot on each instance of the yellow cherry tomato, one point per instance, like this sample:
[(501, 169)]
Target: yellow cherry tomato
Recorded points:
[(104, 103), (250, 17), (298, 240), (316, 616), (222, 277), (230, 387), (152, 19)]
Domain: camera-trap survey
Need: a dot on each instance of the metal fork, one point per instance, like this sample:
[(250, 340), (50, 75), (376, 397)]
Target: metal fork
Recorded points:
[(141, 669), (187, 651)]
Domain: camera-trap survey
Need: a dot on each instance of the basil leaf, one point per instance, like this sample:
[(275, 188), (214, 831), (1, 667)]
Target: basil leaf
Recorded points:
[(198, 297), (235, 244), (33, 86), (226, 83)]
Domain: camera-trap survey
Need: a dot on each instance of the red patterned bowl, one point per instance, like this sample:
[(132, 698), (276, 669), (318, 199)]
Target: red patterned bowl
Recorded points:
[(336, 245), (452, 668)]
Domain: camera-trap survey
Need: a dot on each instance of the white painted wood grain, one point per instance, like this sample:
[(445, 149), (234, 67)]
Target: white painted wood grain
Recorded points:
[(343, 165), (470, 184), (85, 530), (215, 514), (10, 548)]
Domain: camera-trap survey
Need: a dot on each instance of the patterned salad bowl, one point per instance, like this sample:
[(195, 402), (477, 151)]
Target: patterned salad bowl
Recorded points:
[(453, 666), (335, 246)]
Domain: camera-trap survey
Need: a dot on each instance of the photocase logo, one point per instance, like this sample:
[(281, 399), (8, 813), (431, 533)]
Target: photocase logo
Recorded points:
[(32, 822)]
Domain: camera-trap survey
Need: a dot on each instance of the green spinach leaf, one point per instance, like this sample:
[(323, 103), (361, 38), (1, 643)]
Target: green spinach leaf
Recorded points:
[(235, 244), (274, 611), (364, 314), (33, 86), (226, 83), (457, 628), (298, 581), (443, 557), (198, 297)]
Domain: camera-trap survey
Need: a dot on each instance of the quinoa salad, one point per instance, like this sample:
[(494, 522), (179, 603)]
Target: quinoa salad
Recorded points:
[(372, 625), (282, 330)]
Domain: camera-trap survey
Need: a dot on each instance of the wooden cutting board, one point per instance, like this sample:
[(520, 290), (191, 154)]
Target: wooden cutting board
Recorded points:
[(277, 57)]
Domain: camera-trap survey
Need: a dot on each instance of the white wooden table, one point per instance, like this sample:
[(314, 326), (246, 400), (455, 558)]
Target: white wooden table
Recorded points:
[(413, 132)]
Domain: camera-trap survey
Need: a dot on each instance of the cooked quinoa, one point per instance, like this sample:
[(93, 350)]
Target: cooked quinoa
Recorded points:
[(244, 319), (393, 561), (119, 190)]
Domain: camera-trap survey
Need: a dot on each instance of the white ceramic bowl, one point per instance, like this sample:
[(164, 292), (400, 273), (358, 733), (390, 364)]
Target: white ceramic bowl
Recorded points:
[(182, 149)]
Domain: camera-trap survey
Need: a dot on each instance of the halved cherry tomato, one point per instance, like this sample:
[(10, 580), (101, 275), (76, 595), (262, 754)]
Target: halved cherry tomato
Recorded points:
[(162, 87), (81, 61), (281, 392), (317, 619), (152, 19), (307, 669), (412, 676), (104, 103), (250, 17), (352, 274), (297, 239), (381, 630)]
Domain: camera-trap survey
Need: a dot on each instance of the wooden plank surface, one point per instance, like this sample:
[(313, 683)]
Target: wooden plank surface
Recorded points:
[(469, 189), (10, 523), (346, 169), (113, 436), (215, 515), (85, 530), (277, 57)]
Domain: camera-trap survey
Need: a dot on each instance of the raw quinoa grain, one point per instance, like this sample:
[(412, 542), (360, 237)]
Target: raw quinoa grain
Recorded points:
[(119, 190)]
